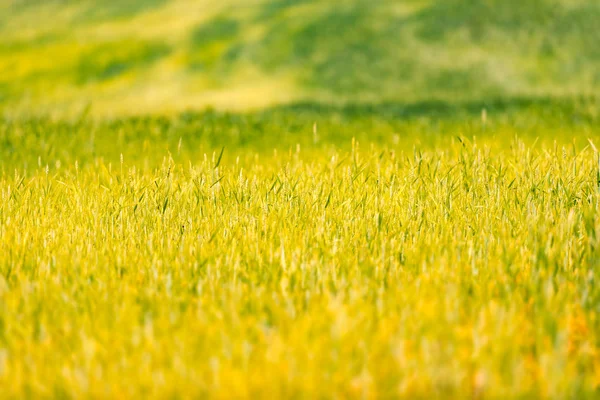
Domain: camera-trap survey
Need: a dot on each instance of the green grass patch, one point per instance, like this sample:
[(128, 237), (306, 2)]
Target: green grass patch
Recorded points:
[(108, 61)]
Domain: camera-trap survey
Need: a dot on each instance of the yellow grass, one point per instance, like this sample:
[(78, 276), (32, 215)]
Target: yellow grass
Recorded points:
[(460, 271)]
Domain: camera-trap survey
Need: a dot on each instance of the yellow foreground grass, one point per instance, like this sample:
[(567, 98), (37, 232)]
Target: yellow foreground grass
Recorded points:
[(466, 271)]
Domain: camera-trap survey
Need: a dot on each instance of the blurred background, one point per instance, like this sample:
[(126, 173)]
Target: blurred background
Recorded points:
[(158, 56)]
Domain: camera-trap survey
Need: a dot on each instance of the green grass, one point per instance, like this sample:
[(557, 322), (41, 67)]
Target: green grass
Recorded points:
[(412, 251), (156, 56)]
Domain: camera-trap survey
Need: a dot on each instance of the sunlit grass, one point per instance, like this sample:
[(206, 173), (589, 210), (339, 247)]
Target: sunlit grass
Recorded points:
[(404, 266), (419, 221)]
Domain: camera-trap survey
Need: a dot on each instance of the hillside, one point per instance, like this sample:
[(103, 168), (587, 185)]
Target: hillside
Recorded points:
[(164, 56)]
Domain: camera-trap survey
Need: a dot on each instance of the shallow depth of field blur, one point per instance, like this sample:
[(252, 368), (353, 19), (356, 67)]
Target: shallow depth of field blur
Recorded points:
[(299, 199), (161, 56)]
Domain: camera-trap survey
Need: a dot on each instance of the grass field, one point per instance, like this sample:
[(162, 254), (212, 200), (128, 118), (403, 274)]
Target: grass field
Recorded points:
[(374, 254), (385, 200)]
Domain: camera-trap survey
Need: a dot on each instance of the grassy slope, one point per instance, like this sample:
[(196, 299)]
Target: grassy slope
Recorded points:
[(168, 56)]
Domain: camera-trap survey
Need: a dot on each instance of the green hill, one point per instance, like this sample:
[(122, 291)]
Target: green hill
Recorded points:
[(165, 56)]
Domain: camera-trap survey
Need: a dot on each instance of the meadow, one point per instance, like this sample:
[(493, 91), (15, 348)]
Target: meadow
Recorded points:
[(382, 200), (453, 256)]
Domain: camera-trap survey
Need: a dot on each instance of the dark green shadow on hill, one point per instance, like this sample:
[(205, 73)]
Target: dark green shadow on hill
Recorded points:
[(276, 7), (210, 48), (109, 60), (221, 28), (583, 108), (481, 18), (4, 93), (550, 21)]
